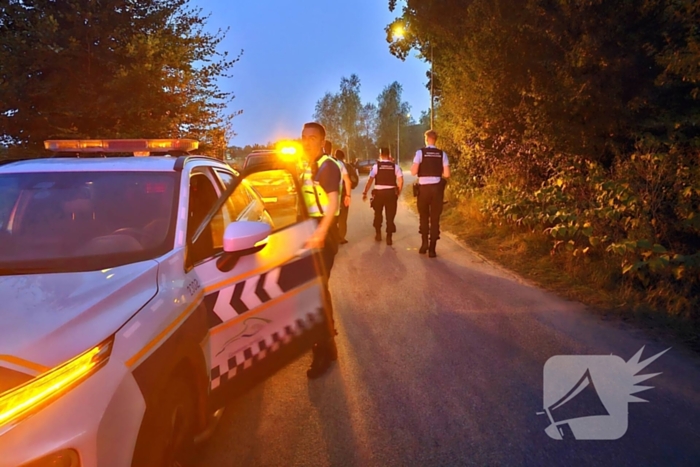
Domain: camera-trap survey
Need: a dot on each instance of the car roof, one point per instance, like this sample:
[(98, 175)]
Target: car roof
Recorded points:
[(93, 164), (262, 152)]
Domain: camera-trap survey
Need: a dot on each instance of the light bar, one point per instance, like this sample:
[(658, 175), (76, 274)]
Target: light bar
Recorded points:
[(120, 145)]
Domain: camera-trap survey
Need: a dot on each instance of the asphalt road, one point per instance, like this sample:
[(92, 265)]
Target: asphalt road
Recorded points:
[(441, 363)]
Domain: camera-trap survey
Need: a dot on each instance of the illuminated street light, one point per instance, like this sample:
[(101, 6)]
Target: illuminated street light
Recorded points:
[(400, 33)]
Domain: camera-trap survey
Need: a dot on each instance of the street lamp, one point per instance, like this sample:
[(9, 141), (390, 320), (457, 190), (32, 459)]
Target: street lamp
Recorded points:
[(400, 33), (432, 89), (398, 137)]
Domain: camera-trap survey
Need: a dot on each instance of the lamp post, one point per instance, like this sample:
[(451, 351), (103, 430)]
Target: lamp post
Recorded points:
[(398, 136), (432, 89), (400, 33)]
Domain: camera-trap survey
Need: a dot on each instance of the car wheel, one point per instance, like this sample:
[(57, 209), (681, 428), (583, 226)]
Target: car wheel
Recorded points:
[(174, 435)]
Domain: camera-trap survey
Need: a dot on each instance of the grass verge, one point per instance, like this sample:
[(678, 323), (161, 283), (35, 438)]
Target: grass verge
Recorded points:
[(594, 281)]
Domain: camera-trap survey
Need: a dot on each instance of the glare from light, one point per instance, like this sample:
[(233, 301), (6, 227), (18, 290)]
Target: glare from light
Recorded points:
[(17, 402)]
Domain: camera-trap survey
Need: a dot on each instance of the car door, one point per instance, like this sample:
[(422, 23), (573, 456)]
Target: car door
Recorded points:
[(271, 307)]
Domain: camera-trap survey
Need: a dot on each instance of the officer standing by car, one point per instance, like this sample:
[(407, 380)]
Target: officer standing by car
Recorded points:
[(388, 183), (321, 185), (432, 168)]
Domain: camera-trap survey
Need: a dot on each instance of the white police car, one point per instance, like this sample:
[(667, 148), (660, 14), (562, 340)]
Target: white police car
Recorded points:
[(137, 296)]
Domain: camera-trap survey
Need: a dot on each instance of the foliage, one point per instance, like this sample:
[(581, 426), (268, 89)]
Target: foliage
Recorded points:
[(110, 69), (580, 119), (392, 116), (361, 128), (342, 113)]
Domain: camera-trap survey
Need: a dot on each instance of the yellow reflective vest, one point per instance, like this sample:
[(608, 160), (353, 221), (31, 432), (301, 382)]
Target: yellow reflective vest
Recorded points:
[(315, 197)]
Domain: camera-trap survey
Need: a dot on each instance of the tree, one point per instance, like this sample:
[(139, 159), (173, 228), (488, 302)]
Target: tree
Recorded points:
[(341, 113), (110, 69), (392, 116), (529, 77), (327, 113), (364, 145), (350, 109)]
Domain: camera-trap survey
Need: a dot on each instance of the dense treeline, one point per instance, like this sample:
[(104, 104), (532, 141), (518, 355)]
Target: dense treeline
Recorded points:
[(109, 69), (361, 128), (579, 119)]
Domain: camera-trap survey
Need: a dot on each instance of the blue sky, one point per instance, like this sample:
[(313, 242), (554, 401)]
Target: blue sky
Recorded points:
[(296, 50)]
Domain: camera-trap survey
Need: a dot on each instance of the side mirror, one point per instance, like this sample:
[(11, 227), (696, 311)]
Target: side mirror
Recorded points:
[(241, 239)]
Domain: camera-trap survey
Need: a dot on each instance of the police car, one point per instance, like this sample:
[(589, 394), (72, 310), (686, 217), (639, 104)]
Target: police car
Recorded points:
[(138, 295)]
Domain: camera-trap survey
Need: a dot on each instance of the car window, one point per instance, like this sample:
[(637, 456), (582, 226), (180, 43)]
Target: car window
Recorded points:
[(244, 204), (202, 197), (279, 195), (93, 219)]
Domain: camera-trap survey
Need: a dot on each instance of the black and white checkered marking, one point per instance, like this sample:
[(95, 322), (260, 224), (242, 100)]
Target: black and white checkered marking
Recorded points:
[(241, 297), (228, 367)]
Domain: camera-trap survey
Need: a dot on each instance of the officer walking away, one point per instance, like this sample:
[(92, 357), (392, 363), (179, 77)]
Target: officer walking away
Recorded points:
[(348, 184), (388, 183), (321, 187), (432, 168), (345, 192)]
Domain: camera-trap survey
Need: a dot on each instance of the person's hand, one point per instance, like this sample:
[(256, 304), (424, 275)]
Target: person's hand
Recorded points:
[(364, 196), (347, 200), (316, 241)]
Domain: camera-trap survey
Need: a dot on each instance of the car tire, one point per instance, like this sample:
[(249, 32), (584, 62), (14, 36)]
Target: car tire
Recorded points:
[(172, 437)]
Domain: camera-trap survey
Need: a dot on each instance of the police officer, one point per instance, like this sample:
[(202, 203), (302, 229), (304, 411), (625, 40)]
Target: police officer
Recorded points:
[(432, 168), (321, 185), (345, 192), (388, 183), (339, 157)]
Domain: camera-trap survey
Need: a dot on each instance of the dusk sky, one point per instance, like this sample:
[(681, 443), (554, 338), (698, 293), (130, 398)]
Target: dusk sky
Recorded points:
[(296, 50)]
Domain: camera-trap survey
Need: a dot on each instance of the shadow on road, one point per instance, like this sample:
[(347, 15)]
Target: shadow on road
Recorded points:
[(456, 373)]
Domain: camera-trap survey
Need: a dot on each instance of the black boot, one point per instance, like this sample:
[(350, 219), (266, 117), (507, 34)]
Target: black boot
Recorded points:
[(321, 363), (388, 239), (431, 250), (378, 236), (424, 246)]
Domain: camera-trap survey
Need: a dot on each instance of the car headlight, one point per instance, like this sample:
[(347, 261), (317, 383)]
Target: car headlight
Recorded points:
[(23, 400)]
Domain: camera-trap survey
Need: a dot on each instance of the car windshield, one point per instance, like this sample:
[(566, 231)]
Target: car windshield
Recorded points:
[(79, 221)]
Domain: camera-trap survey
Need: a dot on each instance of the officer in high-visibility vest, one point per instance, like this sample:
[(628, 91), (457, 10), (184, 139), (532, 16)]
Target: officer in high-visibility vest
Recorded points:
[(321, 186), (432, 167)]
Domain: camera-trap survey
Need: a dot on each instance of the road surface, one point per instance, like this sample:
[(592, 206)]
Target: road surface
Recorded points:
[(441, 363)]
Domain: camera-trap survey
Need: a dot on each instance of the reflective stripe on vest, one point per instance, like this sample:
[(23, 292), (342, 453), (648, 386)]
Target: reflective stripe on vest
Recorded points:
[(315, 197)]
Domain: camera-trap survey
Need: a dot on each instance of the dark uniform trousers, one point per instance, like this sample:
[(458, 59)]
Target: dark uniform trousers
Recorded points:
[(430, 208), (343, 221), (385, 200), (330, 249)]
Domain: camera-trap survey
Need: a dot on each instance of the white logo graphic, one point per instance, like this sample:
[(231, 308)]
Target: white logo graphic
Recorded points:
[(586, 396)]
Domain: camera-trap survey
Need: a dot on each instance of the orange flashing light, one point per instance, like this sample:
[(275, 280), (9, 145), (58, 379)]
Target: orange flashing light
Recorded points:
[(19, 402), (289, 150), (141, 146)]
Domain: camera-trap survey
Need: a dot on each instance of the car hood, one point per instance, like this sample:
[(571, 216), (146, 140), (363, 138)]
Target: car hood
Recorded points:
[(47, 319)]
